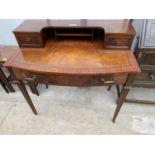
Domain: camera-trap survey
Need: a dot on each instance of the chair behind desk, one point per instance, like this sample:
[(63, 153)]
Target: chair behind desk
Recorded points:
[(7, 52)]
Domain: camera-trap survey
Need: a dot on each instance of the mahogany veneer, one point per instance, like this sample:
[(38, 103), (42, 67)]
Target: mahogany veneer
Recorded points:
[(8, 52), (35, 33), (74, 53)]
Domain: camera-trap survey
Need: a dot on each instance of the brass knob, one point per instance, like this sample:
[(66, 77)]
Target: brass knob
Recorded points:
[(115, 42), (28, 39)]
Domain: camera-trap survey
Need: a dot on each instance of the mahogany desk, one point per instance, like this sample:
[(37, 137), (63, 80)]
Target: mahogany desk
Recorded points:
[(74, 55)]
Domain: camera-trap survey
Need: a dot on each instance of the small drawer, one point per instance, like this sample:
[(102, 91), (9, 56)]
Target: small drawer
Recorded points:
[(29, 40), (112, 42)]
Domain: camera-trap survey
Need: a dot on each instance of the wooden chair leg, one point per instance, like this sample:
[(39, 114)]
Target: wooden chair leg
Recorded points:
[(139, 101), (5, 81), (3, 85)]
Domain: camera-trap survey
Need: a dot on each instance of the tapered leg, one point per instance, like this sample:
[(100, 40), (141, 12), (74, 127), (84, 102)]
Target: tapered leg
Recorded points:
[(5, 81), (26, 95), (118, 90), (46, 86), (120, 101), (109, 87)]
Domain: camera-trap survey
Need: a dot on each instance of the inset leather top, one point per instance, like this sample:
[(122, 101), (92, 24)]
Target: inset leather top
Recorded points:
[(75, 57)]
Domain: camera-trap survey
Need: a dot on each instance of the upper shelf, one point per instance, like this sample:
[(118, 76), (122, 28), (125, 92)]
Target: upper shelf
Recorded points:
[(113, 33), (110, 26)]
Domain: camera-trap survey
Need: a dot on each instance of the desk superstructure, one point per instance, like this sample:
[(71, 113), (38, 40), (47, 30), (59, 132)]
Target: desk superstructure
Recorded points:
[(35, 33), (74, 53)]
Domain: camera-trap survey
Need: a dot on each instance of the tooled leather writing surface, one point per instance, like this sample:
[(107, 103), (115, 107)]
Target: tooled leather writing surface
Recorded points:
[(75, 57)]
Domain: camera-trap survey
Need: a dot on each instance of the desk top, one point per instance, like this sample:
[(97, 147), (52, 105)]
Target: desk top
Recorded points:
[(110, 26), (6, 52), (74, 57)]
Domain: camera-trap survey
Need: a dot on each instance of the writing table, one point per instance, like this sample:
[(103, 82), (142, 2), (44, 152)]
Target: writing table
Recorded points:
[(74, 58)]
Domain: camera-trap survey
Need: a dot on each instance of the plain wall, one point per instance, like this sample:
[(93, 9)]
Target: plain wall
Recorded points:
[(6, 28), (137, 26)]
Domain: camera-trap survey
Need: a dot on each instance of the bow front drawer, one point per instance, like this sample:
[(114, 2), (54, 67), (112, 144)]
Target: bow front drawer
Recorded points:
[(71, 80)]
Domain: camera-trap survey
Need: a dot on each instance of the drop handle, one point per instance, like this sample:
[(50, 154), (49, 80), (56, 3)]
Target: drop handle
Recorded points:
[(31, 78), (106, 82)]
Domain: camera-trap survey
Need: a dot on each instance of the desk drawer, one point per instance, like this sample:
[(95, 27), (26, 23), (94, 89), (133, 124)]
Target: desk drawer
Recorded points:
[(118, 42), (71, 80), (29, 40)]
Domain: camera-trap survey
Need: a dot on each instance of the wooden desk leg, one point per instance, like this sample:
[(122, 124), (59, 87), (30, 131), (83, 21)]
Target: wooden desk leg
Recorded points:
[(120, 101), (118, 90), (26, 95), (109, 87), (5, 81)]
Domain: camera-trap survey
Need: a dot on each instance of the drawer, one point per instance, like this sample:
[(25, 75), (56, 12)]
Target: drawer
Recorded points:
[(29, 40), (115, 42), (71, 80)]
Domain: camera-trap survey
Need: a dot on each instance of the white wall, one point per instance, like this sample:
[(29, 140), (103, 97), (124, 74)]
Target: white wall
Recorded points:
[(6, 28)]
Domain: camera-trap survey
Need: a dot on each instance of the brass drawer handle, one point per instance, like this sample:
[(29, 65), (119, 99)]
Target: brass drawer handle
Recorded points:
[(107, 82), (30, 78), (103, 80)]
